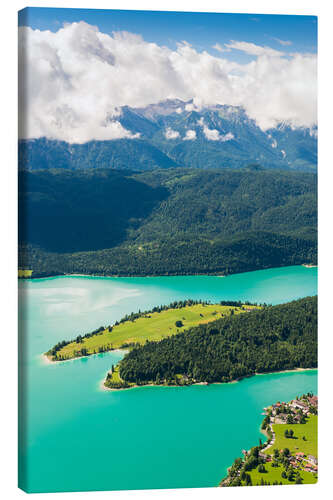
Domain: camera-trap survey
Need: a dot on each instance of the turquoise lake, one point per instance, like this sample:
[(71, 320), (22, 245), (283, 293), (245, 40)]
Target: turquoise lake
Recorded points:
[(74, 436)]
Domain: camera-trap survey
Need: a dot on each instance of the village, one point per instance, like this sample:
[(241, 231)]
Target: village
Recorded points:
[(289, 455), (294, 412)]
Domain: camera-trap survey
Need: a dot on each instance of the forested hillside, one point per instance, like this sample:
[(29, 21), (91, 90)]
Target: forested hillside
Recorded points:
[(271, 339), (121, 154), (175, 221)]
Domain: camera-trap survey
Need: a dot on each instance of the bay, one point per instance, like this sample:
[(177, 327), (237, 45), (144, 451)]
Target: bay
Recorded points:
[(75, 436)]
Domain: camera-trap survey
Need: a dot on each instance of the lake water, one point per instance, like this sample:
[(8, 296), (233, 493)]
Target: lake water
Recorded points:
[(76, 437)]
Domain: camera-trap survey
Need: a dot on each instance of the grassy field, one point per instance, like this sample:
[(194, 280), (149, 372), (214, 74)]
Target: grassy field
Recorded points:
[(295, 444), (115, 377), (24, 273), (274, 474), (114, 381), (154, 326), (309, 430)]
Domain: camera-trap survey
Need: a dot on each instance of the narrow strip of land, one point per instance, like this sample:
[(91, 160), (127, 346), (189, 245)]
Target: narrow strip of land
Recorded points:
[(137, 328)]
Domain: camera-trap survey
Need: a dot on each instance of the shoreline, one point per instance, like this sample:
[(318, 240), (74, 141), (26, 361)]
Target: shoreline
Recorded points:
[(216, 274), (288, 371), (105, 388), (47, 361), (271, 436), (295, 370)]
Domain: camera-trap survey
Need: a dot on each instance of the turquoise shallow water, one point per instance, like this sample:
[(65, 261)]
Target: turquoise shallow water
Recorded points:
[(75, 437)]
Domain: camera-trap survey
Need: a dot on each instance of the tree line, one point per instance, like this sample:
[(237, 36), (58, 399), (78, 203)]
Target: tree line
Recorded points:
[(274, 338), (177, 304)]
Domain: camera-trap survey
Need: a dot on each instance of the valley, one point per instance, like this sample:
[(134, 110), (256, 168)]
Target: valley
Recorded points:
[(165, 222)]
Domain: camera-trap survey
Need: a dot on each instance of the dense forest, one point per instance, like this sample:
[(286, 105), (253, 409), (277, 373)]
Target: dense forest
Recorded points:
[(271, 339), (175, 221)]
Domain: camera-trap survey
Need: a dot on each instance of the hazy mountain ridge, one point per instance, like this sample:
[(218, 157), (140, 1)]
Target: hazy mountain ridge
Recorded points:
[(224, 137), (176, 133)]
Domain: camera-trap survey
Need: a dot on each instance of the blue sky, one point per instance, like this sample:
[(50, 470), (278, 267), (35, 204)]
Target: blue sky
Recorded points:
[(79, 76), (201, 30)]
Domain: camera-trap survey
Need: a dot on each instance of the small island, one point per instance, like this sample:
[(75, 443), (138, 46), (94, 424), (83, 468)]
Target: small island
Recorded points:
[(290, 454)]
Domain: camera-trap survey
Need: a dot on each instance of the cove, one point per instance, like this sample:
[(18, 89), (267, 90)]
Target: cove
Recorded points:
[(75, 437)]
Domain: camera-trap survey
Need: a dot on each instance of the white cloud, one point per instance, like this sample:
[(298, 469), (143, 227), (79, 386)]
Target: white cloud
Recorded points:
[(253, 49), (73, 81), (191, 135), (283, 42), (227, 137), (171, 134), (194, 106), (219, 48), (213, 134)]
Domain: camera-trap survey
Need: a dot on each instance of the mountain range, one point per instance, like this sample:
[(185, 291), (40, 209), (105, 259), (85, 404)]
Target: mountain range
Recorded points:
[(174, 133)]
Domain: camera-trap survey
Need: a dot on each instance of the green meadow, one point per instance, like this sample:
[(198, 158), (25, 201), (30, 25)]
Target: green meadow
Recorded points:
[(24, 273), (274, 474), (309, 430), (295, 444), (152, 326)]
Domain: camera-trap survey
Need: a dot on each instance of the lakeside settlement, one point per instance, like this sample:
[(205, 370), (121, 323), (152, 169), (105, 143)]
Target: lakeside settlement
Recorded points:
[(289, 455)]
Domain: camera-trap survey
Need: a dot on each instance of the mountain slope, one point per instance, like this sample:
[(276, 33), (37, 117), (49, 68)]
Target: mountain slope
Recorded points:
[(225, 137), (121, 154), (175, 133), (173, 221)]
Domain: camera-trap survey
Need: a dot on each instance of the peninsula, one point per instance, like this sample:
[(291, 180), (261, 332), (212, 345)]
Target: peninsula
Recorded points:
[(137, 328), (268, 339), (190, 342)]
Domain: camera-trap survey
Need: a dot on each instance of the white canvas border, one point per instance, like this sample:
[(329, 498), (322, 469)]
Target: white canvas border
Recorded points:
[(8, 200)]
